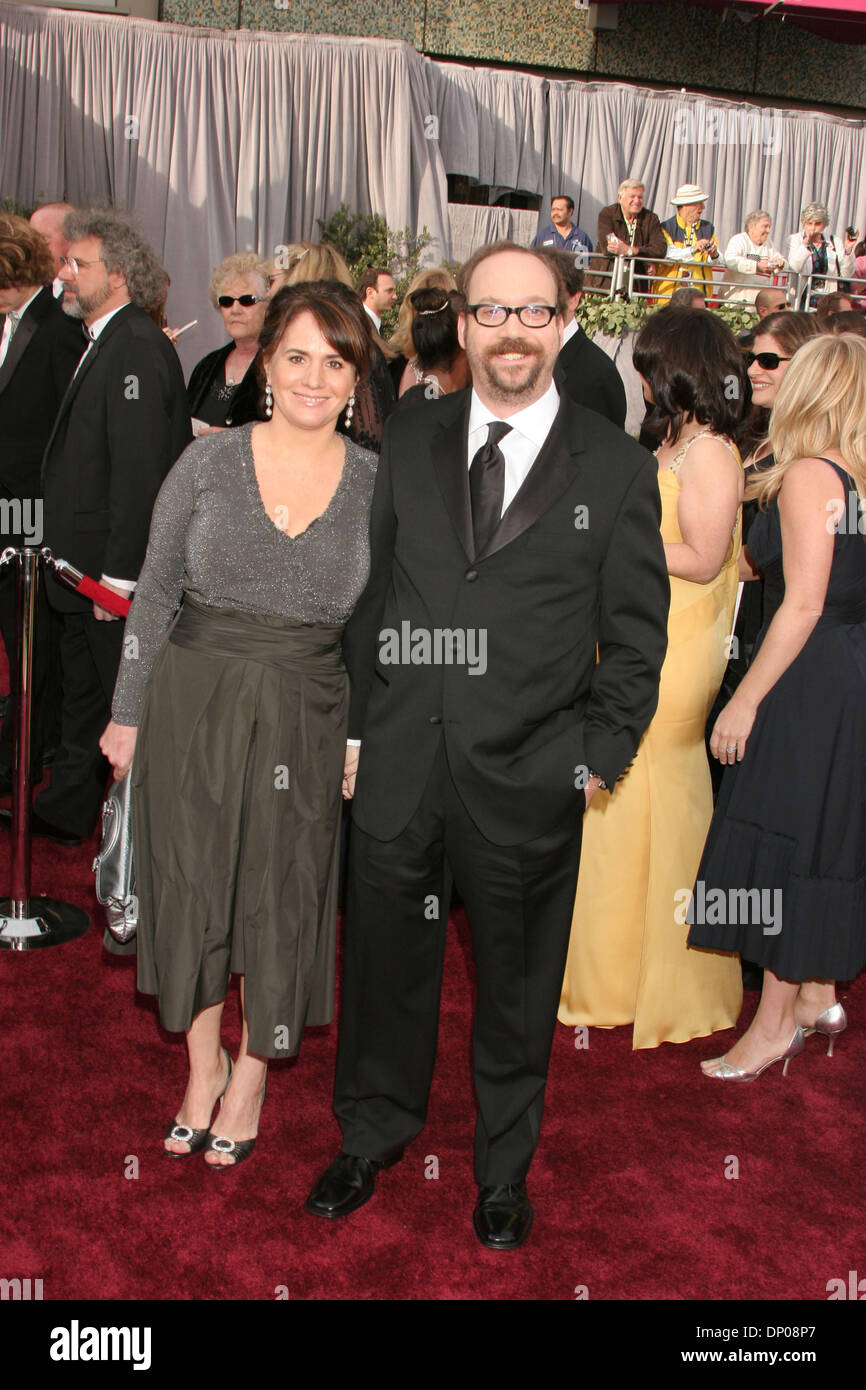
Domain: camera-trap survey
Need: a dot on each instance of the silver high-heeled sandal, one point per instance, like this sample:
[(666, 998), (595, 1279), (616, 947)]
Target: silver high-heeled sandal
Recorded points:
[(831, 1023), (725, 1072)]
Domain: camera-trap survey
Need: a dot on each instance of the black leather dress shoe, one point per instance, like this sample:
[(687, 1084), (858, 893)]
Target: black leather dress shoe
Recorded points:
[(503, 1216), (38, 826), (347, 1184)]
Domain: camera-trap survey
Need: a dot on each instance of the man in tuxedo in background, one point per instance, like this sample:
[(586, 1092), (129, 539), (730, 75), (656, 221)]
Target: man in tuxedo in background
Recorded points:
[(120, 427), (378, 294), (514, 535), (39, 350), (583, 370)]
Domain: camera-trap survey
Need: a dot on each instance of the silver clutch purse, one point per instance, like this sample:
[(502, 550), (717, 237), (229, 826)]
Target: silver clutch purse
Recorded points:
[(113, 866)]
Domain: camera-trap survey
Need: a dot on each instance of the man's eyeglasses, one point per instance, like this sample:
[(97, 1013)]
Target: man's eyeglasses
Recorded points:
[(226, 301), (768, 360), (75, 265), (530, 315)]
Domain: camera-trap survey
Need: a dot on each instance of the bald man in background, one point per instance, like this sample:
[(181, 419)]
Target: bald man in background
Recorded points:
[(48, 220)]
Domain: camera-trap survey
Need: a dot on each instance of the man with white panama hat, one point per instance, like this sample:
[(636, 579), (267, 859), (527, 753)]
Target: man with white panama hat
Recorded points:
[(689, 238)]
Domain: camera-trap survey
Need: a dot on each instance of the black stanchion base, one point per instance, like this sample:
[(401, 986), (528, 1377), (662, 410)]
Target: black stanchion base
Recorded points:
[(49, 922)]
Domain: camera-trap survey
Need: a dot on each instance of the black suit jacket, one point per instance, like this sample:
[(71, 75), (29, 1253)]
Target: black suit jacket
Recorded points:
[(35, 373), (590, 378), (576, 566), (121, 425)]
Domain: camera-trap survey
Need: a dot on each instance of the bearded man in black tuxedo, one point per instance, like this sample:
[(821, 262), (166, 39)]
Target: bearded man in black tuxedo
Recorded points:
[(504, 661), (119, 428)]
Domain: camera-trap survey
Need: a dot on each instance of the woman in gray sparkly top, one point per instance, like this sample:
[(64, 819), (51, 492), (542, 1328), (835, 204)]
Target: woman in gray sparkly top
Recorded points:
[(232, 696)]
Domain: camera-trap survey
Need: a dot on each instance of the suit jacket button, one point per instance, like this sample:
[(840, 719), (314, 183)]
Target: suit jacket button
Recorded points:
[(435, 719), (470, 576)]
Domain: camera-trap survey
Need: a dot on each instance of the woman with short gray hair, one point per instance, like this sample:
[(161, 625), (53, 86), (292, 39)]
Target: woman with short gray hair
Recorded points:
[(222, 390), (810, 252), (750, 260)]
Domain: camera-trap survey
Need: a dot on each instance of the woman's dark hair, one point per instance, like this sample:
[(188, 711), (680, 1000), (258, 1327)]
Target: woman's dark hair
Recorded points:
[(336, 309), (695, 370), (790, 330), (434, 328)]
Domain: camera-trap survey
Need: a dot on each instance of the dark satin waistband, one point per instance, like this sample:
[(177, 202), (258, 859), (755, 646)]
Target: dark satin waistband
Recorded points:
[(308, 648)]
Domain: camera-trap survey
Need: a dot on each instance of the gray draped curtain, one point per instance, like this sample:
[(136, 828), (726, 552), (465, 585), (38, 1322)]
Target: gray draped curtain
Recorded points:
[(473, 226), (745, 157), (224, 141)]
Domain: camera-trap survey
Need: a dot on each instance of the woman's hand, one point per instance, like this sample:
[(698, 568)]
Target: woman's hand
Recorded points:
[(350, 769), (118, 745), (732, 730)]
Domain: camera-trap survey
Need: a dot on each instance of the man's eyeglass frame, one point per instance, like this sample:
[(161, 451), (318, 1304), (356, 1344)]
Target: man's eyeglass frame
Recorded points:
[(503, 312)]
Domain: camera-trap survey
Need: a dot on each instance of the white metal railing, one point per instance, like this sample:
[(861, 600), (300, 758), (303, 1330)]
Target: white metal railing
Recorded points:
[(624, 279)]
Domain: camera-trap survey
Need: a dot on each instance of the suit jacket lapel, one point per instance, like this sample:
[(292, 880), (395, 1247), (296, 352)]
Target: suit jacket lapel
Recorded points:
[(71, 393), (20, 338), (448, 450), (546, 480), (75, 384)]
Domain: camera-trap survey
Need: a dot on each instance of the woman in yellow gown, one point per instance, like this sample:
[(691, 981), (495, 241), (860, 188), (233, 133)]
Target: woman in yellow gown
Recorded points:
[(628, 959)]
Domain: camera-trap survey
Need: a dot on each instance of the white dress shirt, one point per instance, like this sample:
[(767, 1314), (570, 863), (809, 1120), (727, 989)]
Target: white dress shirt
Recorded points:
[(520, 447), (14, 315), (568, 332), (377, 322)]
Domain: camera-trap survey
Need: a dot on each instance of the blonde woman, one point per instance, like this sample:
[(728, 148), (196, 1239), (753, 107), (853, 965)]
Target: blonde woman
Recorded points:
[(302, 261), (782, 876)]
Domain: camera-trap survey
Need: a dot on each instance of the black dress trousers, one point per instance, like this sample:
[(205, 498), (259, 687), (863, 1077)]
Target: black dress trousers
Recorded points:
[(89, 658), (519, 901)]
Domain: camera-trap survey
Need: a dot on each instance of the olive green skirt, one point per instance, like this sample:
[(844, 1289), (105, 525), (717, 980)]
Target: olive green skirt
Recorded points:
[(236, 812)]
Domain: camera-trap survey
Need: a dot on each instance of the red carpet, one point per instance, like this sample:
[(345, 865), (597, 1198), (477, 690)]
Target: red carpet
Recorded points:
[(629, 1184)]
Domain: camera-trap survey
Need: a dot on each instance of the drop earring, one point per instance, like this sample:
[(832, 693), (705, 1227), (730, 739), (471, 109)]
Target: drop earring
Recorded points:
[(349, 409), (269, 401)]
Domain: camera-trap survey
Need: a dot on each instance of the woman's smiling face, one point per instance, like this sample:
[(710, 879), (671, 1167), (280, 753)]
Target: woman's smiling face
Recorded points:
[(766, 380)]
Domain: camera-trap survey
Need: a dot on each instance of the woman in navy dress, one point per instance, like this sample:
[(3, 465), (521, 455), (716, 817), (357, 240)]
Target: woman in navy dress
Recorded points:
[(783, 876)]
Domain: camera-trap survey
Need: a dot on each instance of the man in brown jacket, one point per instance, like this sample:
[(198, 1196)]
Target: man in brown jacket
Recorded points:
[(627, 229)]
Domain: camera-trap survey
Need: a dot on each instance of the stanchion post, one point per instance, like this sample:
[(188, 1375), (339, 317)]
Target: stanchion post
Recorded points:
[(26, 614), (26, 922)]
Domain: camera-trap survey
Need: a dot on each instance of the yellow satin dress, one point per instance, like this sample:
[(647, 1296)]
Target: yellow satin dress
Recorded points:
[(628, 958)]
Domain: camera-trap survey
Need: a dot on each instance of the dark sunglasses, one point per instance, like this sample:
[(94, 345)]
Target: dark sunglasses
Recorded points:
[(768, 360), (226, 301)]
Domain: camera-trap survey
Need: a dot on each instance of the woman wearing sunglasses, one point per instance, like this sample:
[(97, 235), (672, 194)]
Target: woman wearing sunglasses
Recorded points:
[(789, 828), (222, 390)]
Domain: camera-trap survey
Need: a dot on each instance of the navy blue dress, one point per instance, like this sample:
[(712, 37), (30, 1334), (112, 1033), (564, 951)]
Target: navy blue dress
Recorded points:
[(790, 820)]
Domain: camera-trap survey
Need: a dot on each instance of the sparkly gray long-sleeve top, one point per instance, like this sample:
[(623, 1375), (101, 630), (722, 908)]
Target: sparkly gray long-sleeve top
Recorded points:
[(211, 537)]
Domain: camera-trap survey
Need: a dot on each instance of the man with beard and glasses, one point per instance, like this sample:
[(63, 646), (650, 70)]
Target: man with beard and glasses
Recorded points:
[(121, 425), (504, 663)]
